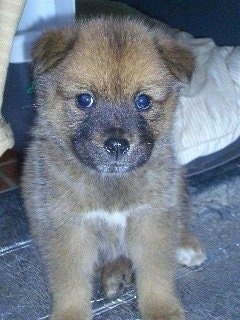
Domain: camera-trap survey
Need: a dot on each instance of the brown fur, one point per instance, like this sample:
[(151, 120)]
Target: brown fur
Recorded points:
[(114, 59)]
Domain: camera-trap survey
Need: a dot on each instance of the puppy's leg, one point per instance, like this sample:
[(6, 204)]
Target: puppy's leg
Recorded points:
[(190, 252), (71, 255), (116, 275), (151, 244)]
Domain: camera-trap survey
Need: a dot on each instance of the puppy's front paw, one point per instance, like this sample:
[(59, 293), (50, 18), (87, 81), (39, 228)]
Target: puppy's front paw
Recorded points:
[(69, 315), (190, 252), (170, 313), (190, 257)]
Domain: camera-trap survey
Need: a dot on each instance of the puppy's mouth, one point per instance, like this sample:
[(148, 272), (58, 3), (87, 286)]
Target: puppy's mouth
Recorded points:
[(115, 156), (112, 168)]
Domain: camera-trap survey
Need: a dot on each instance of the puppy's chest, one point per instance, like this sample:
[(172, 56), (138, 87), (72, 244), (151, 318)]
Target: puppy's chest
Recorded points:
[(110, 231)]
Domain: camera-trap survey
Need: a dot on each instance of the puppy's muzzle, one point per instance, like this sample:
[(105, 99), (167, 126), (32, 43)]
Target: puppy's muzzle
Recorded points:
[(116, 147)]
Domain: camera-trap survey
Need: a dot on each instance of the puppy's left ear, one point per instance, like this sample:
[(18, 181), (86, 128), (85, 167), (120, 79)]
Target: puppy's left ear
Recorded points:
[(51, 48), (178, 59)]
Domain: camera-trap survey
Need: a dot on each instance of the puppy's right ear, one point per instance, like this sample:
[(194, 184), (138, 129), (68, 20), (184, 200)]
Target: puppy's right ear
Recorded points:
[(178, 58), (51, 48)]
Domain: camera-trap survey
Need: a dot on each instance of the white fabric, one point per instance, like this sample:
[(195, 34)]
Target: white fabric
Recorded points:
[(209, 113), (36, 17)]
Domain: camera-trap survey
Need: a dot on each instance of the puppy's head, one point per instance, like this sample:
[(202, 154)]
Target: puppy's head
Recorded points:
[(108, 89)]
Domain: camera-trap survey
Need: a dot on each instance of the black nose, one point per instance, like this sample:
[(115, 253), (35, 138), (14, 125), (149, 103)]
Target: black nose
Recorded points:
[(116, 146)]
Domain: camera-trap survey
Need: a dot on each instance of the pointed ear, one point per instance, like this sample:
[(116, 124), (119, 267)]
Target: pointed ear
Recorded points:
[(178, 59), (51, 48)]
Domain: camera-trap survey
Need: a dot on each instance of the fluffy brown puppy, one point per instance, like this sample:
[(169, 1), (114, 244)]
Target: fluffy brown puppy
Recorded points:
[(101, 183)]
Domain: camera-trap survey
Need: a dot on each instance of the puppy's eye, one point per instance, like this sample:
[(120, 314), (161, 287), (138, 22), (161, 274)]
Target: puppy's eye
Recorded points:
[(143, 102), (85, 101)]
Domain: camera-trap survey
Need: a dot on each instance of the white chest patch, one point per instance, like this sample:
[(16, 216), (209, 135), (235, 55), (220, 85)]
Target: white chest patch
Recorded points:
[(110, 228), (117, 219)]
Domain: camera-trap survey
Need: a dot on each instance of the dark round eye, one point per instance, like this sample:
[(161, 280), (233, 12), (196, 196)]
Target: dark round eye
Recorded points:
[(85, 101), (143, 102)]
